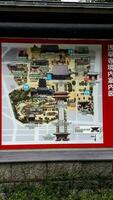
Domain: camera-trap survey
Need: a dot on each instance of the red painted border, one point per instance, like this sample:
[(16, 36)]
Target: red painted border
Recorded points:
[(0, 96), (108, 138)]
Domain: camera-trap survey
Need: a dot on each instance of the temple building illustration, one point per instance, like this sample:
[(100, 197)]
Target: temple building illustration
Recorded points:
[(60, 72)]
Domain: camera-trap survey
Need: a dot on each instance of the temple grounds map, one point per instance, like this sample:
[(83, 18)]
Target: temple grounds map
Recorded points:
[(51, 93)]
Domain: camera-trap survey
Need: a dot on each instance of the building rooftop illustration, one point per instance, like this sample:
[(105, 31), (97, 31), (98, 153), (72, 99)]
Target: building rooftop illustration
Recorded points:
[(60, 71)]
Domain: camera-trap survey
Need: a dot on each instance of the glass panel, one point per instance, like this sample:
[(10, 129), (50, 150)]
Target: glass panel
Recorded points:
[(52, 93)]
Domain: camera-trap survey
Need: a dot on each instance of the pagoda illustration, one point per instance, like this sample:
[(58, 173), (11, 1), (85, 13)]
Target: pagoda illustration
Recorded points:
[(42, 89)]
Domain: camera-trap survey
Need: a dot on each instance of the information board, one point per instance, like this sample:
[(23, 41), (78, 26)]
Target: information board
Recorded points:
[(56, 93)]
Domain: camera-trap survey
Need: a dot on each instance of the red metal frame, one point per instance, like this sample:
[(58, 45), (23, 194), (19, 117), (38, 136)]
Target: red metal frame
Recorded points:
[(107, 101)]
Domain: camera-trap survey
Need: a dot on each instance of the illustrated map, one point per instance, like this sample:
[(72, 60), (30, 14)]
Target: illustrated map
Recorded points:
[(51, 94)]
